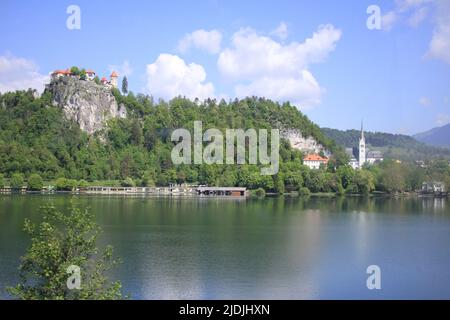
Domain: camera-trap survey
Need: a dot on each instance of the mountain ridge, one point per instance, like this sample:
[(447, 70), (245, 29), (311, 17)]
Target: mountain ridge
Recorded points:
[(394, 146), (438, 136)]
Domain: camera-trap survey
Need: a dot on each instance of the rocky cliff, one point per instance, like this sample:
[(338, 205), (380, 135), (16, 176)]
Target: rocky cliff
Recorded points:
[(302, 143), (87, 103)]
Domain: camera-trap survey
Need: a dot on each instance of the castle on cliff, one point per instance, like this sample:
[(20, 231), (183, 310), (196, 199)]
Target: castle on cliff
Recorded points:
[(90, 76)]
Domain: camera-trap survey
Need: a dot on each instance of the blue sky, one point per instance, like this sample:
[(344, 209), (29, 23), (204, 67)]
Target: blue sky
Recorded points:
[(320, 55)]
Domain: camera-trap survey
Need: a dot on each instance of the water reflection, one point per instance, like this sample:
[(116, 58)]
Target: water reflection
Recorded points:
[(276, 248)]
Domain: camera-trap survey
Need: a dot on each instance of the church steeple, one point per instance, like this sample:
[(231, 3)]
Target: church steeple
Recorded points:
[(362, 129), (362, 147)]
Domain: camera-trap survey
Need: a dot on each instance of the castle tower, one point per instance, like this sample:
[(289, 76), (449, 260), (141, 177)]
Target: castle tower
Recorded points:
[(362, 148), (113, 78)]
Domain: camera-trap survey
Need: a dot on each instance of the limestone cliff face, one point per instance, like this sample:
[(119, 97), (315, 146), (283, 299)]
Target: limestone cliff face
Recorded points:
[(302, 143), (87, 103)]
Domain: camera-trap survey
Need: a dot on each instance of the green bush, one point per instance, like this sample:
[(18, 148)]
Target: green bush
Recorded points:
[(2, 180), (83, 183), (260, 192), (58, 242), (35, 182), (16, 181), (304, 192), (128, 182), (63, 184), (340, 190), (75, 71), (83, 75)]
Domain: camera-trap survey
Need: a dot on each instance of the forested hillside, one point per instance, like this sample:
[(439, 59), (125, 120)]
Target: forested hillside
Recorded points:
[(394, 146), (37, 141), (35, 137)]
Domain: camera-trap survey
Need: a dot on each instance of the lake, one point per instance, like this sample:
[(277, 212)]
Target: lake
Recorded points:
[(274, 248)]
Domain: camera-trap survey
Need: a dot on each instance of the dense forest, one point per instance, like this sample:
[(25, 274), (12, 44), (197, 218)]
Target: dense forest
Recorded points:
[(393, 146), (39, 145)]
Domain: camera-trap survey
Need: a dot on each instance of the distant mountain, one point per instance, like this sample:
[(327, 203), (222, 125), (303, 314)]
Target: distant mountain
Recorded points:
[(439, 136), (393, 146)]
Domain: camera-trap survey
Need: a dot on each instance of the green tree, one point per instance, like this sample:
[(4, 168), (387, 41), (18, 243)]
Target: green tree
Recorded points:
[(83, 75), (63, 184), (16, 181), (75, 71), (391, 177), (35, 182), (2, 180), (304, 192), (260, 193), (125, 85), (279, 183), (58, 242), (128, 182)]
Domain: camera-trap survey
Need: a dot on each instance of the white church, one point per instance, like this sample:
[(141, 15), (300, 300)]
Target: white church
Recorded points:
[(364, 157)]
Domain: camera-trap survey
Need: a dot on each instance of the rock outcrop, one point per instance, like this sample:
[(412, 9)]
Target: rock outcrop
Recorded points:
[(304, 144), (89, 104)]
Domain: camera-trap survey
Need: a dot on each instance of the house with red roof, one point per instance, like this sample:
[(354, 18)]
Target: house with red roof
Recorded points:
[(113, 78), (90, 74), (314, 161), (60, 73)]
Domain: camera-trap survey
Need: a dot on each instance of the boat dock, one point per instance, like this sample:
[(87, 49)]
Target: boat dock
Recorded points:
[(222, 191)]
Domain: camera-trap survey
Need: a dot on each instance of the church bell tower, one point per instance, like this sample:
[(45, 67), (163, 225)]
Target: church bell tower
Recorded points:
[(362, 148)]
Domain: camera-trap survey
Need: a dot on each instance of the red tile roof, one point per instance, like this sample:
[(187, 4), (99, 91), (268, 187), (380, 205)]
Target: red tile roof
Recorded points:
[(315, 157), (113, 74), (64, 72)]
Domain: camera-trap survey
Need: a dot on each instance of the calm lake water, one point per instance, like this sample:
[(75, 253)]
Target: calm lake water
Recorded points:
[(276, 248)]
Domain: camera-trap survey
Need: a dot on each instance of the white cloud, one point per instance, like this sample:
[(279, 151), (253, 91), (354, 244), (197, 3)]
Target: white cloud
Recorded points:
[(416, 11), (425, 101), (281, 31), (169, 76), (123, 69), (302, 90), (263, 66), (418, 16), (413, 11), (440, 43), (404, 5), (209, 41), (388, 20), (442, 119), (20, 74)]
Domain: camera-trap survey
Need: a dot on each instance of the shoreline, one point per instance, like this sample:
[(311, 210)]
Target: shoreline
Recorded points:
[(190, 194)]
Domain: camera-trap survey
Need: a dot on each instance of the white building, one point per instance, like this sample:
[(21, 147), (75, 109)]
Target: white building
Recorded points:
[(90, 74), (364, 156), (374, 157), (60, 73), (314, 161), (433, 186), (113, 78), (362, 148)]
